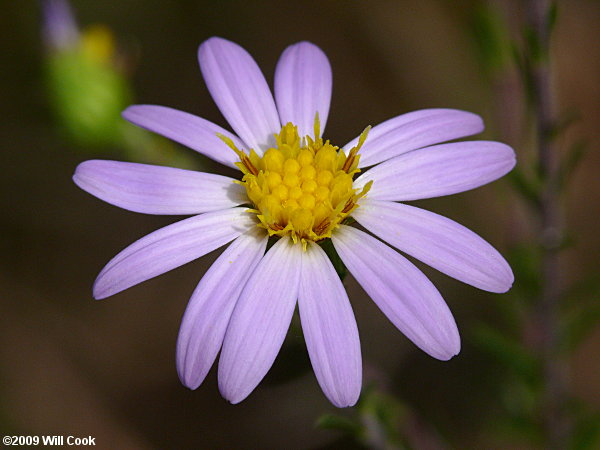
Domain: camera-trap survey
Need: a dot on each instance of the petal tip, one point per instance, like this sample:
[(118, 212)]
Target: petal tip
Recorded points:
[(190, 383), (505, 281), (128, 112), (345, 401), (100, 290), (504, 287), (99, 294), (233, 396), (448, 351), (212, 41), (478, 124), (186, 377), (307, 45)]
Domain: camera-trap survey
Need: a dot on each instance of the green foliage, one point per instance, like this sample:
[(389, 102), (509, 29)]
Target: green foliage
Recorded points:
[(552, 16), (336, 422), (581, 312), (529, 189), (525, 260), (571, 162), (376, 421), (524, 65), (508, 350), (88, 97), (586, 435), (490, 37)]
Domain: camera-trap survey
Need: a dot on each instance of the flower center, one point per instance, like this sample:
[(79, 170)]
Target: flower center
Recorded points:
[(301, 187)]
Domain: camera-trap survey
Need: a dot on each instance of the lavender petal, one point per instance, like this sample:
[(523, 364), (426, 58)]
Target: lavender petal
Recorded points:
[(157, 190), (260, 321), (438, 170), (329, 329), (189, 130), (415, 130), (209, 310), (240, 90), (438, 241), (171, 247), (401, 291), (303, 87)]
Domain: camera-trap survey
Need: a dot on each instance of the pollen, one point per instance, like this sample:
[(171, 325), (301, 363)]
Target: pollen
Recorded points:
[(302, 187)]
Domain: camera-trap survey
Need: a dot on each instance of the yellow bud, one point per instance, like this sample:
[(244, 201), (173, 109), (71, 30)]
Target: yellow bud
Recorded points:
[(342, 181), (254, 191), (281, 192), (273, 160), (326, 158), (295, 192), (98, 43), (308, 173), (338, 193), (291, 204), (309, 186), (307, 201), (291, 166), (322, 193), (271, 206), (305, 157), (289, 134), (321, 212), (324, 178), (301, 219), (273, 180), (291, 180)]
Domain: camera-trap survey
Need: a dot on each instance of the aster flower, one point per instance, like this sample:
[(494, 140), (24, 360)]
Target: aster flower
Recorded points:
[(300, 190)]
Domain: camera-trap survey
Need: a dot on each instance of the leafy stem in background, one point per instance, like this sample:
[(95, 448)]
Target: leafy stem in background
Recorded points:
[(547, 312)]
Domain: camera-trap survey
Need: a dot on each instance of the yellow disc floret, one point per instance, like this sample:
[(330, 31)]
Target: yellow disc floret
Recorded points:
[(301, 187)]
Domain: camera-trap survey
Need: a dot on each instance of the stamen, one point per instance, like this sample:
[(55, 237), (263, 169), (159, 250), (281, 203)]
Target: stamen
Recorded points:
[(354, 151)]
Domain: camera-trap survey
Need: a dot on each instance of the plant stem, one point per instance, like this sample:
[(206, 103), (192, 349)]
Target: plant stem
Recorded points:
[(548, 307)]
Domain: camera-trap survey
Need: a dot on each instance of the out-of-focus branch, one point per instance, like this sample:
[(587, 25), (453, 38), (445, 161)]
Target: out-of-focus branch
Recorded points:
[(555, 379)]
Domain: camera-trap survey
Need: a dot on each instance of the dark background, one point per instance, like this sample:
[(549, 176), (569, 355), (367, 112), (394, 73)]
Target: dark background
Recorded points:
[(71, 365)]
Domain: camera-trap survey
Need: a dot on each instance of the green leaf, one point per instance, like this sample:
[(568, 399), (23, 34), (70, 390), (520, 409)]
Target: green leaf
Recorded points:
[(526, 260), (381, 415), (490, 36), (568, 167), (579, 324), (528, 189), (586, 435), (552, 16), (523, 64), (536, 52), (562, 124), (516, 429), (581, 292), (507, 350), (339, 423)]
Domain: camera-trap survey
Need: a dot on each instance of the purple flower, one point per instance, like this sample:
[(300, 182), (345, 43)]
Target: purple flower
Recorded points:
[(60, 29), (300, 189)]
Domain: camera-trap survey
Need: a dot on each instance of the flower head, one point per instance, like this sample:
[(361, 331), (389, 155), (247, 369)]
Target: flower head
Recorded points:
[(300, 189), (86, 84)]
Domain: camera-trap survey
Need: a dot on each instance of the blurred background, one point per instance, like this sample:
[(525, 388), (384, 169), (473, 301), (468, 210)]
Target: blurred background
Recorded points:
[(72, 365)]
